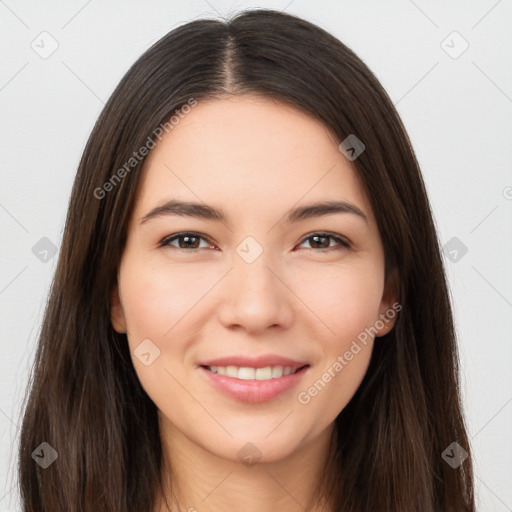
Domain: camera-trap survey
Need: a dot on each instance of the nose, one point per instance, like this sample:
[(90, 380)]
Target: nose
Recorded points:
[(255, 296)]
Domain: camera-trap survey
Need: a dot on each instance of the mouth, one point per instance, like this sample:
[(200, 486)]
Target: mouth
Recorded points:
[(253, 385)]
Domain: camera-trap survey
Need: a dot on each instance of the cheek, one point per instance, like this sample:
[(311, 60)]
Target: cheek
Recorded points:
[(166, 304), (157, 300), (347, 300), (158, 305)]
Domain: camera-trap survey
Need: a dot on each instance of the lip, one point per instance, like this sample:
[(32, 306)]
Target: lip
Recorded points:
[(254, 362), (253, 391)]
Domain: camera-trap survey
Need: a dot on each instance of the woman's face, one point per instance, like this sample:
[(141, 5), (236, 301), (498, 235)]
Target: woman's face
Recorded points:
[(247, 278)]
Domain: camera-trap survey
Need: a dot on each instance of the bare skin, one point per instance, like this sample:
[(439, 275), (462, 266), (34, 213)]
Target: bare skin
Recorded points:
[(303, 298)]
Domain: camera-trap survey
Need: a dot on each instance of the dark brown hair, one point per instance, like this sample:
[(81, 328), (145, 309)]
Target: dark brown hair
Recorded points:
[(84, 397)]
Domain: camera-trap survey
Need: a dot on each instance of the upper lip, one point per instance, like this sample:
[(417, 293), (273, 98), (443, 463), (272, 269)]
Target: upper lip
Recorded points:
[(255, 362)]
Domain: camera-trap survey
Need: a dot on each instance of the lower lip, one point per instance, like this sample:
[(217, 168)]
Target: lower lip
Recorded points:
[(254, 391)]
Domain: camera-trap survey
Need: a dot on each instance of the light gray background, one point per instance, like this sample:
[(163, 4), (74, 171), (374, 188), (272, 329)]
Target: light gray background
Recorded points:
[(457, 111)]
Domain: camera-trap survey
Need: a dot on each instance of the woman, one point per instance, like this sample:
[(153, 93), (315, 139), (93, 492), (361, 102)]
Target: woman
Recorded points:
[(250, 309)]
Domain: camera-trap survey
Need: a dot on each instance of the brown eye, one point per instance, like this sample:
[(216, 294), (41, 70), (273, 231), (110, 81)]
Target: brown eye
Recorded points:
[(322, 242), (186, 241)]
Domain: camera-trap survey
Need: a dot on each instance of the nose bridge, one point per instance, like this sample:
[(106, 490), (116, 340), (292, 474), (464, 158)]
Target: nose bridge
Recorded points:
[(255, 297)]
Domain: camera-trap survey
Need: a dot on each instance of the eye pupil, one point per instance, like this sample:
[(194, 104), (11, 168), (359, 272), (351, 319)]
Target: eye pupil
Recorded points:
[(187, 239), (322, 245)]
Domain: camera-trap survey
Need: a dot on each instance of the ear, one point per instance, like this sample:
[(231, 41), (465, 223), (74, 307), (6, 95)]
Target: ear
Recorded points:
[(389, 306), (116, 311)]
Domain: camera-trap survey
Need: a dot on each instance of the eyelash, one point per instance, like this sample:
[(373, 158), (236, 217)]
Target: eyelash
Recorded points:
[(344, 244)]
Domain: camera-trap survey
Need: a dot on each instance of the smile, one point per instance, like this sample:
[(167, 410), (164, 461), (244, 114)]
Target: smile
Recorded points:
[(253, 385)]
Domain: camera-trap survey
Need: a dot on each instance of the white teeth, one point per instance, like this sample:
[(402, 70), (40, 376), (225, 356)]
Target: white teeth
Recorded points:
[(246, 373), (231, 371), (263, 373), (277, 371)]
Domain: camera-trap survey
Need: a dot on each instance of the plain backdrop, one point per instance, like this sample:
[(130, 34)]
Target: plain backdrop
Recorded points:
[(447, 67)]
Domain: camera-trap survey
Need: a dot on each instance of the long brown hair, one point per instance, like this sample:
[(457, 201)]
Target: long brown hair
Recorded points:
[(84, 398)]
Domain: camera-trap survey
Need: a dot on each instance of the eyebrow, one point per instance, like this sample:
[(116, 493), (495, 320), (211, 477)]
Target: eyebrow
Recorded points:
[(204, 211)]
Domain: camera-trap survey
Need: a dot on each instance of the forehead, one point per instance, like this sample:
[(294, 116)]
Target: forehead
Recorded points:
[(251, 155)]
